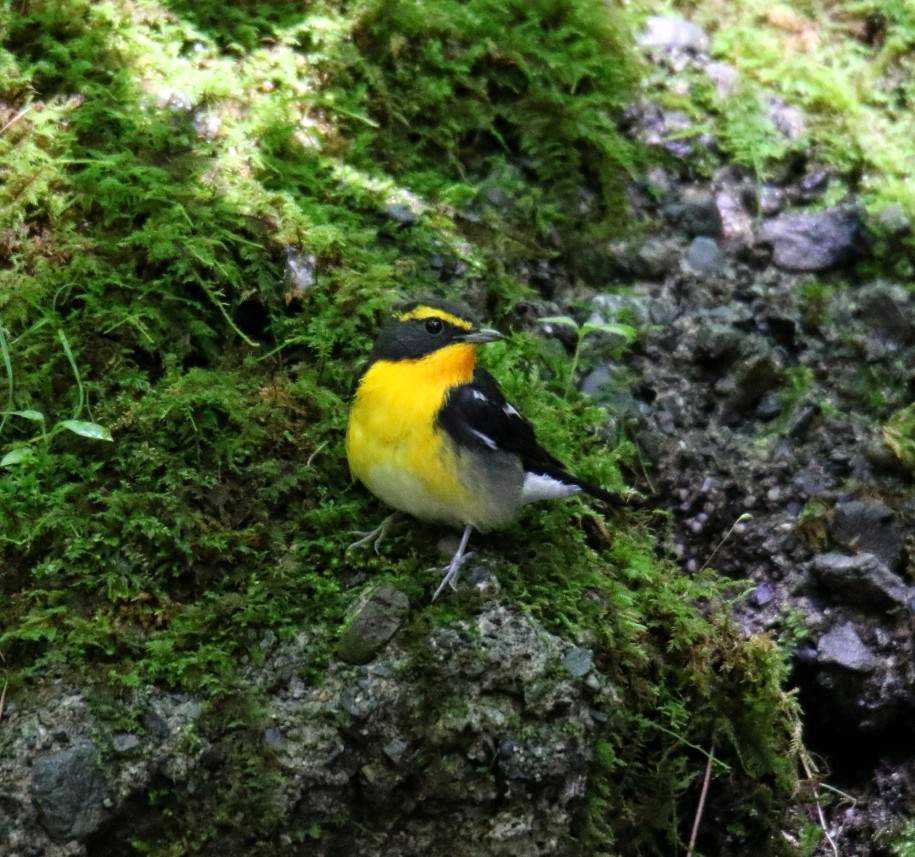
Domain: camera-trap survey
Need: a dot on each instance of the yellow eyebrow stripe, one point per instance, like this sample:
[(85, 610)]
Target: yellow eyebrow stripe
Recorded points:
[(427, 311)]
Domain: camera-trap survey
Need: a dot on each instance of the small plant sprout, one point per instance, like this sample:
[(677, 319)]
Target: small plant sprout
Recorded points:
[(83, 428), (582, 331), (746, 516)]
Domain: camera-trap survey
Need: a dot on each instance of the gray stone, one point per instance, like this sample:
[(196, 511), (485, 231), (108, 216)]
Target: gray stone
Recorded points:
[(736, 223), (769, 407), (375, 620), (703, 256), (889, 313), (696, 213), (401, 212), (124, 742), (69, 790), (671, 33), (787, 118), (868, 527), (863, 580), (725, 77), (771, 200), (842, 647), (578, 661), (300, 269), (892, 220), (814, 241), (598, 381), (754, 377), (667, 129), (654, 259), (207, 124)]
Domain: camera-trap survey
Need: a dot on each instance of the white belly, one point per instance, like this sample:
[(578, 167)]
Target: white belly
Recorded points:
[(401, 490)]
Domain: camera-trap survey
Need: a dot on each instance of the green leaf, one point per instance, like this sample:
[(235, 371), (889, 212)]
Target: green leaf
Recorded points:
[(564, 320), (626, 331), (17, 456), (84, 429), (34, 416)]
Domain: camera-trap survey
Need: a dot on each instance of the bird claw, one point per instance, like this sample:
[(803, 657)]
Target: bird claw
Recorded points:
[(451, 573), (374, 537)]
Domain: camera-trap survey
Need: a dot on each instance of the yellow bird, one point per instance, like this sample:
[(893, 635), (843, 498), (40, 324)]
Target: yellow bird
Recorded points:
[(431, 434)]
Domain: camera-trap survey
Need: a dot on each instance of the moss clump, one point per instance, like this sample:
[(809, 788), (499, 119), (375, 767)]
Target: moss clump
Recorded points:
[(899, 433), (161, 164)]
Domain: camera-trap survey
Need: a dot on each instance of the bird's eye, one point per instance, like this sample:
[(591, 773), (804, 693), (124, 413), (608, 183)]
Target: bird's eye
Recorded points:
[(434, 325)]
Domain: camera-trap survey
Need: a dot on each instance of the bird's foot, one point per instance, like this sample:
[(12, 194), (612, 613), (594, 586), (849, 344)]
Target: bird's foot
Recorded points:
[(374, 537), (449, 578)]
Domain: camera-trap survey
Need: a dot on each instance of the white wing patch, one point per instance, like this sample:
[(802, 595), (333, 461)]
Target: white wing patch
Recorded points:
[(510, 410), (538, 486), (478, 395), (484, 438)]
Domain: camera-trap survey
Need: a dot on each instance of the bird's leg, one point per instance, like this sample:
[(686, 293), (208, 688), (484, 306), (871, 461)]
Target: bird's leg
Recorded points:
[(374, 537), (453, 567)]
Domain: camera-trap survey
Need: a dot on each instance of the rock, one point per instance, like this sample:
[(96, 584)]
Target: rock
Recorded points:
[(842, 647), (375, 620), (736, 223), (771, 200), (672, 34), (124, 742), (754, 377), (666, 129), (769, 407), (479, 720), (69, 790), (889, 313), (619, 307), (892, 220), (868, 527), (861, 580), (696, 213), (300, 270), (815, 241), (724, 76), (789, 120), (654, 259), (207, 124), (401, 212), (578, 662), (598, 381), (703, 257)]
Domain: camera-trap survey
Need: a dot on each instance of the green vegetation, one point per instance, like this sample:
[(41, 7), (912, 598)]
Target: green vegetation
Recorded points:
[(899, 433), (848, 64), (159, 161)]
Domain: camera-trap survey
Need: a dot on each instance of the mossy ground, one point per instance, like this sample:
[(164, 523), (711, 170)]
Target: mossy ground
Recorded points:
[(849, 66), (142, 289)]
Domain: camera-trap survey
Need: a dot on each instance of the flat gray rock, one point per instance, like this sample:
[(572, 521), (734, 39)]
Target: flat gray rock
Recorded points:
[(813, 241), (671, 33), (862, 580), (374, 622), (868, 527), (69, 790), (842, 647)]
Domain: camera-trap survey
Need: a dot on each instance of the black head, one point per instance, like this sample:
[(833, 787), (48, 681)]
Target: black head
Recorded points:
[(422, 327)]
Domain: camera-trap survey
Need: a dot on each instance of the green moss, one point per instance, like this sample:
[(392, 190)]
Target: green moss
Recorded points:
[(221, 508), (849, 67)]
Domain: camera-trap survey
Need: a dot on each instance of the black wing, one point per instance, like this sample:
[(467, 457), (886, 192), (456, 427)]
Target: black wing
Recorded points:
[(478, 416)]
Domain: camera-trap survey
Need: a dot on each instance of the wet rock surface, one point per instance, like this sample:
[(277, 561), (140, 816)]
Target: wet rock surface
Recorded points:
[(762, 386), (373, 622), (475, 740)]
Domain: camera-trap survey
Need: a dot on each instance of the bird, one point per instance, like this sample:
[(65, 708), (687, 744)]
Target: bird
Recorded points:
[(431, 434)]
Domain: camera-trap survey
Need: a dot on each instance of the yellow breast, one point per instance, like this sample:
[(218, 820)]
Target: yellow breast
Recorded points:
[(393, 444)]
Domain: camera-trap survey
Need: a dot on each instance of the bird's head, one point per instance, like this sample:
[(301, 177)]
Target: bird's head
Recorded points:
[(431, 327)]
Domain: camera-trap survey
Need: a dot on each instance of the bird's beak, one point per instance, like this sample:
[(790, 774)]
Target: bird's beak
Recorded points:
[(481, 335)]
